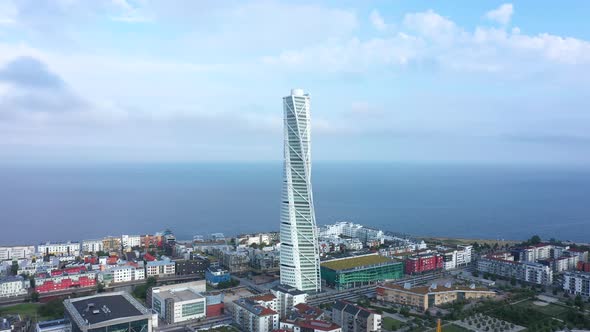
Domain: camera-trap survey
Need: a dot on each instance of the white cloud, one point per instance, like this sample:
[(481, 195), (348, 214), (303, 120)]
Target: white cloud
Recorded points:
[(431, 25), (502, 14), (377, 20)]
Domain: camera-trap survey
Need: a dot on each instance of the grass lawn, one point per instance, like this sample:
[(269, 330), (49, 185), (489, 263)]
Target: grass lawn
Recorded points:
[(25, 309), (553, 310), (390, 324), (454, 328)]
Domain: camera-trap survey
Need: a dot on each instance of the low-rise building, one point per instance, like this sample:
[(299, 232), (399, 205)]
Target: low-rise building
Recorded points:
[(116, 311), (162, 268), (122, 273), (503, 264), (215, 275), (425, 262), (16, 252), (424, 297), (577, 283), (251, 316), (92, 246), (191, 266), (13, 286), (57, 325), (353, 318), (59, 249), (64, 279), (179, 304), (355, 271)]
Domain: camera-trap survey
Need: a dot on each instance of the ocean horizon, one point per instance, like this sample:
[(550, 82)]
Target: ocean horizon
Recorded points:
[(77, 202)]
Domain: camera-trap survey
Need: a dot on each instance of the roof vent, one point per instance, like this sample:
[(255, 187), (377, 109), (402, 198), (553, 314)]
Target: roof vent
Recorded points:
[(433, 286), (448, 284), (95, 311), (407, 285)]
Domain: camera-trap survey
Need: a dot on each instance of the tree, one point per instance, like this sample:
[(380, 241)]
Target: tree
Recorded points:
[(14, 268), (535, 239), (35, 296), (513, 281), (100, 288), (475, 273)]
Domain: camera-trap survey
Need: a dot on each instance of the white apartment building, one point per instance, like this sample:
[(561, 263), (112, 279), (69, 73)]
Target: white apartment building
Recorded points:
[(464, 254), (577, 283), (13, 286), (121, 273), (454, 258), (160, 268), (16, 252), (352, 230), (252, 317), (59, 249), (92, 246), (504, 265), (130, 241), (286, 298)]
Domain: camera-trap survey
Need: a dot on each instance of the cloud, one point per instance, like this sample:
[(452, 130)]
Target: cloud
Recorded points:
[(502, 14), (27, 71), (377, 20)]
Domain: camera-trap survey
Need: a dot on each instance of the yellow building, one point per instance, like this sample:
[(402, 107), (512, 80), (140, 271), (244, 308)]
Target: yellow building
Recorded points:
[(425, 297)]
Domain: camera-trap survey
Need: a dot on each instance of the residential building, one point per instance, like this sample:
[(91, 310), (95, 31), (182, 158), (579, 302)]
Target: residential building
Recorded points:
[(300, 260), (59, 249), (13, 286), (162, 268), (583, 266), (122, 273), (315, 326), (577, 283), (116, 311), (57, 325), (348, 229), (424, 297), (287, 298), (353, 318), (464, 255), (424, 262), (130, 241), (111, 244), (16, 252), (191, 266), (215, 275), (234, 261), (503, 264), (355, 271), (92, 246), (45, 282), (250, 316), (179, 304)]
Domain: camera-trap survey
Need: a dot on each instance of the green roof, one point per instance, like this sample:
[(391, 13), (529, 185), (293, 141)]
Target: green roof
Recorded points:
[(353, 262)]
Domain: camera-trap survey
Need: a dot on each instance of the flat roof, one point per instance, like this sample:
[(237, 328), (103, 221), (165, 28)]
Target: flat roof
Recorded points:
[(98, 309), (180, 295), (353, 262), (423, 290)]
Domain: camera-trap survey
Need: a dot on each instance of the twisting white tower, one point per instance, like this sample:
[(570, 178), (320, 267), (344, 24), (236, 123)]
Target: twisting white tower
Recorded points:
[(300, 260)]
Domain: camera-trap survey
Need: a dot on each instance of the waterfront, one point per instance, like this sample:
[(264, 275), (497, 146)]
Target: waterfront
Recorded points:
[(41, 203)]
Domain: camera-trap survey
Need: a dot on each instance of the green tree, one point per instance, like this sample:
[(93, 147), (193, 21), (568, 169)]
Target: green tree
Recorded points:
[(35, 296), (100, 287), (513, 281), (14, 268), (535, 239)]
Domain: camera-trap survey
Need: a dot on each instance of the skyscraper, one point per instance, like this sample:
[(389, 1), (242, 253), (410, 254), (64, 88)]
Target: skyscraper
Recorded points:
[(300, 260)]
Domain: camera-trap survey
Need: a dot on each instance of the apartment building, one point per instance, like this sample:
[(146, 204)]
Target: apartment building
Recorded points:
[(250, 316), (59, 249), (92, 246), (13, 286), (16, 252), (353, 318), (504, 265), (577, 283)]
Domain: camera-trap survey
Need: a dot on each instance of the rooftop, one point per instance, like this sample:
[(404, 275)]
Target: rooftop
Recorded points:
[(354, 262), (318, 325), (287, 289), (263, 297), (180, 295), (97, 309), (423, 290)]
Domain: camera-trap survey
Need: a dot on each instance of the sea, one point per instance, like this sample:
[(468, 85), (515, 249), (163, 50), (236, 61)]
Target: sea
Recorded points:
[(41, 203)]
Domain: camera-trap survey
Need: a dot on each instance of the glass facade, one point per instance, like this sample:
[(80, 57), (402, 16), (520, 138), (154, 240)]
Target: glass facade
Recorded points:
[(192, 309)]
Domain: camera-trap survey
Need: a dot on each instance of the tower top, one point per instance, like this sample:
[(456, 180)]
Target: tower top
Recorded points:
[(297, 92)]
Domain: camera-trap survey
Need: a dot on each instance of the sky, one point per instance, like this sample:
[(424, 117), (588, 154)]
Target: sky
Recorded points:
[(189, 81)]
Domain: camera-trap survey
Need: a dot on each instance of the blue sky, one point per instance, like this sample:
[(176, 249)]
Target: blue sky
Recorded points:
[(167, 81)]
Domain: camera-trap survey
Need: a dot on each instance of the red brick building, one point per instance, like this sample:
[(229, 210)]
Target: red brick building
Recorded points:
[(423, 263)]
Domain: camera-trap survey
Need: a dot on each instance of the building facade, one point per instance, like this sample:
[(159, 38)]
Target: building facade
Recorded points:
[(424, 263), (253, 317), (59, 249), (504, 265), (287, 298), (425, 297), (577, 283), (92, 246), (356, 271), (300, 260), (16, 252), (13, 286), (353, 318)]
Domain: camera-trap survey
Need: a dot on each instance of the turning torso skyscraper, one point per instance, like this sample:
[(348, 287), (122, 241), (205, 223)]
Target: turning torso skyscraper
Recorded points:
[(300, 260)]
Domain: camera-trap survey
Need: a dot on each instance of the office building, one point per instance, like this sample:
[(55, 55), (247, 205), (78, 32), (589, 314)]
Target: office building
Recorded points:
[(353, 318), (356, 271), (178, 304), (300, 260), (116, 311), (424, 297)]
